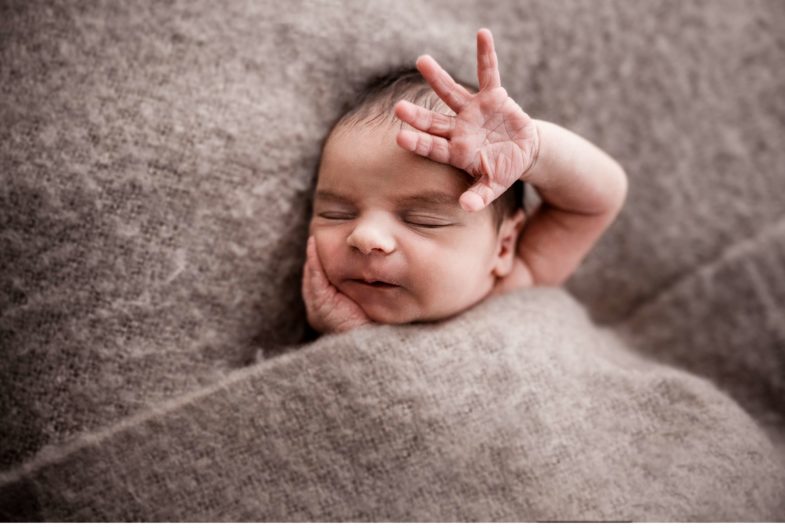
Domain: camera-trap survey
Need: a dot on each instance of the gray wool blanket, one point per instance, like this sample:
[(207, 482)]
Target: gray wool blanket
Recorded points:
[(520, 409), (156, 163)]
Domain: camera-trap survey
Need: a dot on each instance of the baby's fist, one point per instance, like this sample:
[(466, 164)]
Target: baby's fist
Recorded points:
[(328, 309)]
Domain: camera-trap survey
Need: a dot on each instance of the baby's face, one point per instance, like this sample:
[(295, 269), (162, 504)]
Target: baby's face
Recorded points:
[(388, 215)]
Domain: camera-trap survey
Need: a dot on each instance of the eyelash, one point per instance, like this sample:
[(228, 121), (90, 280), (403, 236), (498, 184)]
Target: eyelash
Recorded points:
[(428, 226), (335, 216), (338, 216)]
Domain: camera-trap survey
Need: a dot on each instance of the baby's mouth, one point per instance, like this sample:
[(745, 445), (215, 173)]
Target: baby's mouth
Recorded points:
[(376, 284)]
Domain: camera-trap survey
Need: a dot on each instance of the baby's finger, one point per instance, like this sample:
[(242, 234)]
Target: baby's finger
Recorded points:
[(433, 147), (424, 119), (308, 289), (482, 192), (476, 198), (314, 302), (452, 93), (311, 259), (487, 61), (319, 295), (316, 274)]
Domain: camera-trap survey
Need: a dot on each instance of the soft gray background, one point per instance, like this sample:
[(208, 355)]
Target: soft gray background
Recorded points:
[(156, 160)]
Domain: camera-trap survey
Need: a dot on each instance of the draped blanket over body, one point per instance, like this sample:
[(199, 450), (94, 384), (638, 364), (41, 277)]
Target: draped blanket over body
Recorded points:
[(156, 166), (520, 409)]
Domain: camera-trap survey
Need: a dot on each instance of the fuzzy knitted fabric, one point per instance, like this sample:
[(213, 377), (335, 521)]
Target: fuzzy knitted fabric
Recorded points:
[(156, 161), (517, 410)]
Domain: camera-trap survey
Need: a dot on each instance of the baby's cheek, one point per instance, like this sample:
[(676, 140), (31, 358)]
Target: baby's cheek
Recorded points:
[(437, 288), (457, 285)]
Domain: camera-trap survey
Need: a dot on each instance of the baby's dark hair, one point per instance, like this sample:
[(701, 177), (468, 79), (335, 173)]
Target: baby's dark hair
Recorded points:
[(374, 103)]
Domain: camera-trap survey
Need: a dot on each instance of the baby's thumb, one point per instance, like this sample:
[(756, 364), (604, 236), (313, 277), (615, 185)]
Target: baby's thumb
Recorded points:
[(311, 257), (314, 265)]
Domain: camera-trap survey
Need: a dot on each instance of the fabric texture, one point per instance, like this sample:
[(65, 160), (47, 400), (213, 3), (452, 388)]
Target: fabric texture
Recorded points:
[(520, 409), (156, 161)]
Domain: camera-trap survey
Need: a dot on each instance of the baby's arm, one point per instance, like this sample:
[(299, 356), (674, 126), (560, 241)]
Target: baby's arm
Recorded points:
[(493, 139), (582, 188)]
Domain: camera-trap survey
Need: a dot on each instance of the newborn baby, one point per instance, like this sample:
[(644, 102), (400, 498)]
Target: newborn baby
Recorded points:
[(417, 215)]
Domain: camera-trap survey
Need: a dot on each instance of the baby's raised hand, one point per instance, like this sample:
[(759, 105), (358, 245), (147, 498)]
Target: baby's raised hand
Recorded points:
[(328, 309), (490, 137)]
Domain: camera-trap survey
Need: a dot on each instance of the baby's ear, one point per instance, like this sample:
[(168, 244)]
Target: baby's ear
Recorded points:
[(507, 247), (512, 226)]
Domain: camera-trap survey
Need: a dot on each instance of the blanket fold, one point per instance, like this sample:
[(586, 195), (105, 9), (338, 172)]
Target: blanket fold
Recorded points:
[(517, 410)]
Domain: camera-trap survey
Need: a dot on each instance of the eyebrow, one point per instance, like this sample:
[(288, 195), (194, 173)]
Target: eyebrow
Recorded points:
[(425, 198)]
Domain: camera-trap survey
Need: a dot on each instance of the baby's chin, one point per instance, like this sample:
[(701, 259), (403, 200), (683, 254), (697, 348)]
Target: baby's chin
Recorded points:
[(403, 311), (399, 315), (383, 315), (403, 308)]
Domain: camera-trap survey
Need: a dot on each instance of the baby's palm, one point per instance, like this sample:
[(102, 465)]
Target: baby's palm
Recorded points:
[(490, 137), (328, 309)]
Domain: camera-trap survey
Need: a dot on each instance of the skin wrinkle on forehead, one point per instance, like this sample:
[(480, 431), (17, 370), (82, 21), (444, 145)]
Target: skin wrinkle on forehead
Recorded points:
[(429, 198)]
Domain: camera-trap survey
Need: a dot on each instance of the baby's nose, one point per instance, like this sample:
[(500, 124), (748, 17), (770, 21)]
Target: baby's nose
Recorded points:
[(371, 236)]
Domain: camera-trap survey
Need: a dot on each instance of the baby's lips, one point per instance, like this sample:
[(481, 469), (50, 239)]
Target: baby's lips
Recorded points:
[(373, 281), (369, 279)]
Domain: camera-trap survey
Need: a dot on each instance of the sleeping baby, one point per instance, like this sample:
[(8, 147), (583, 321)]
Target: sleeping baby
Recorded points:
[(417, 211)]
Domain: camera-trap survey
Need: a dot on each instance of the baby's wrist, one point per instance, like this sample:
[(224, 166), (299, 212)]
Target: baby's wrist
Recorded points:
[(530, 172)]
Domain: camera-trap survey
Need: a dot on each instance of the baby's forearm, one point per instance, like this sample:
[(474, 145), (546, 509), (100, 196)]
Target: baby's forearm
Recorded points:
[(583, 189), (574, 175)]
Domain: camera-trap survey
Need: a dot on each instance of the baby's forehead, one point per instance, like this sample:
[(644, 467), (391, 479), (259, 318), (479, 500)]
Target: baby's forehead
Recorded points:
[(362, 151)]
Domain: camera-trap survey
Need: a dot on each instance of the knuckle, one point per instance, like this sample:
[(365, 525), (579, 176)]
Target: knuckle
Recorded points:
[(431, 121), (318, 305), (442, 151), (423, 148)]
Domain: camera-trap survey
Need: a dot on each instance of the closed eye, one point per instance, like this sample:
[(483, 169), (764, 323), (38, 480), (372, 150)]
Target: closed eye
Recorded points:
[(430, 226), (427, 223), (336, 216)]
